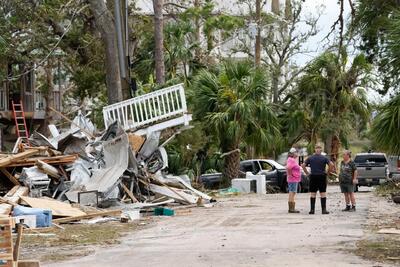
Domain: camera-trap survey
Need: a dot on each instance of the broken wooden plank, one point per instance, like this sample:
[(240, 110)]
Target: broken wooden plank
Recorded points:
[(88, 216), (48, 169), (136, 141), (126, 189), (13, 196), (66, 159), (57, 208), (9, 176), (17, 244), (12, 158)]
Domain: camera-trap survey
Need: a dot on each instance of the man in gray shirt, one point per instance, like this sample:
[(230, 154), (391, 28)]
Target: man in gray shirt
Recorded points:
[(318, 179)]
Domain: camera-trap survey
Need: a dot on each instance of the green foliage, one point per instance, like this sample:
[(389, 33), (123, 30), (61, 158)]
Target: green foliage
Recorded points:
[(232, 102), (377, 23), (329, 99), (386, 127)]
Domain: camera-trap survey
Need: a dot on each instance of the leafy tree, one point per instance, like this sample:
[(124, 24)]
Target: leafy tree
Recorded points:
[(232, 102), (377, 23), (385, 127), (329, 102)]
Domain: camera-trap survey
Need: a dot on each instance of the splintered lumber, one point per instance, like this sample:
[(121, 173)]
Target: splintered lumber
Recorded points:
[(6, 244), (57, 208), (127, 191), (13, 196), (47, 169), (9, 176), (17, 244), (12, 158), (88, 216), (66, 159), (136, 141)]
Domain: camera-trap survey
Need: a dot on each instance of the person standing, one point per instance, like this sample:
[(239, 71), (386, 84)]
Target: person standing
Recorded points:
[(348, 180), (293, 178), (318, 178)]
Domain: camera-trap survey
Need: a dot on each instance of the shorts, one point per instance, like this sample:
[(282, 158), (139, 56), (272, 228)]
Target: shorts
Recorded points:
[(318, 182), (347, 188), (292, 187)]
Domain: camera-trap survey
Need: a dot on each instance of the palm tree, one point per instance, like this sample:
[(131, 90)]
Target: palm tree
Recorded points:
[(329, 101), (386, 126), (232, 102)]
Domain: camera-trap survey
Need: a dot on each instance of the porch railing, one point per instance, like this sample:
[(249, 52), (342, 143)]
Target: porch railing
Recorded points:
[(147, 109)]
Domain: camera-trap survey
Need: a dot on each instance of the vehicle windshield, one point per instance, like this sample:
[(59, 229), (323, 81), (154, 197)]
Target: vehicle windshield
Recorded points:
[(370, 159)]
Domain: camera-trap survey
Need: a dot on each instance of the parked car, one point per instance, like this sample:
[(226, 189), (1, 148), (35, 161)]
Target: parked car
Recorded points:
[(372, 168), (211, 180), (274, 172)]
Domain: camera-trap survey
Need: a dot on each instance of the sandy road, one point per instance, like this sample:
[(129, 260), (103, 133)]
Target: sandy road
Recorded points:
[(249, 230)]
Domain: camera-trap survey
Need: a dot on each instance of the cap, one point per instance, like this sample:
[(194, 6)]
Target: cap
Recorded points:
[(293, 150)]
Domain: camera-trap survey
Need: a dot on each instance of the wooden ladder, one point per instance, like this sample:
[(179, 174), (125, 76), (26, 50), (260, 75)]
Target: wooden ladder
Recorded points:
[(20, 122)]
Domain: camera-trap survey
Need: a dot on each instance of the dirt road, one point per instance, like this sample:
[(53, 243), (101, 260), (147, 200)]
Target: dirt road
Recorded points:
[(248, 230)]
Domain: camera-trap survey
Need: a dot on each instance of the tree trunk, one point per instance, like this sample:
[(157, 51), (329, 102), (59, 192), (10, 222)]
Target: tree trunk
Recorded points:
[(335, 146), (48, 97), (288, 10), (105, 24), (257, 56), (159, 41), (197, 31), (231, 167), (275, 7), (275, 85)]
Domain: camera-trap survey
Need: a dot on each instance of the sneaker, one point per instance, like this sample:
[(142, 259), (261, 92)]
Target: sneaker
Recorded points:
[(353, 208), (348, 207)]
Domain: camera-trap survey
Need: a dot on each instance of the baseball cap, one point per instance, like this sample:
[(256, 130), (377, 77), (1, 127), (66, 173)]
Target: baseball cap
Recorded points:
[(293, 150)]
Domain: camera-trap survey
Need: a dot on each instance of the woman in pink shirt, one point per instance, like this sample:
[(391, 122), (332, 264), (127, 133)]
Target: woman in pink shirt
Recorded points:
[(293, 178)]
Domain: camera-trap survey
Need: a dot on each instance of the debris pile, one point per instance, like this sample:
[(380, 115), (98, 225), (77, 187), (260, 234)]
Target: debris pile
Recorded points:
[(80, 167)]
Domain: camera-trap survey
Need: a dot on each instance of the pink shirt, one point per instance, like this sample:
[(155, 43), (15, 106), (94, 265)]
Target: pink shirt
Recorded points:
[(295, 167)]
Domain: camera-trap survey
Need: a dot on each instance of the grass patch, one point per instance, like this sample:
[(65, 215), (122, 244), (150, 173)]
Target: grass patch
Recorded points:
[(77, 240), (384, 249), (387, 189)]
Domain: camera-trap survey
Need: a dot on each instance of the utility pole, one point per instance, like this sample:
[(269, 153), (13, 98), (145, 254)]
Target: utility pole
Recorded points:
[(257, 56)]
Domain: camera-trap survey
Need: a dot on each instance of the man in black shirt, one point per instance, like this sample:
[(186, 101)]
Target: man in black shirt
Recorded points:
[(318, 179)]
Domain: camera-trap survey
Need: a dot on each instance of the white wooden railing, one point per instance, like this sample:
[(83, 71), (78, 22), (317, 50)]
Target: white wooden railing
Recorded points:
[(161, 105)]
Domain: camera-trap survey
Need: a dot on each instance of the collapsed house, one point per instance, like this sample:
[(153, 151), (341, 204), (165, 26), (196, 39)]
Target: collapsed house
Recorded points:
[(125, 163)]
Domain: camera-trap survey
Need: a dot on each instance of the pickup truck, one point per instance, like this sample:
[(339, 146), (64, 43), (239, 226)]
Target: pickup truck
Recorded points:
[(372, 168)]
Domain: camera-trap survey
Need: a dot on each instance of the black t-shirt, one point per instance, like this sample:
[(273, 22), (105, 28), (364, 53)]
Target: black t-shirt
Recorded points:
[(317, 163)]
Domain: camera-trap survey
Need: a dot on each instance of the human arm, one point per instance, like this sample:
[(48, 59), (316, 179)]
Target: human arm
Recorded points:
[(303, 165)]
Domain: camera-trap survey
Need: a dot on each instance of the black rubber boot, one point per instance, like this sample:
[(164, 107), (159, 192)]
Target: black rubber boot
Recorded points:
[(348, 207), (312, 205), (323, 205)]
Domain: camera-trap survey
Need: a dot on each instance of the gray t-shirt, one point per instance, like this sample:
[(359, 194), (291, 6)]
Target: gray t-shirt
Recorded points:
[(317, 163), (346, 172)]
